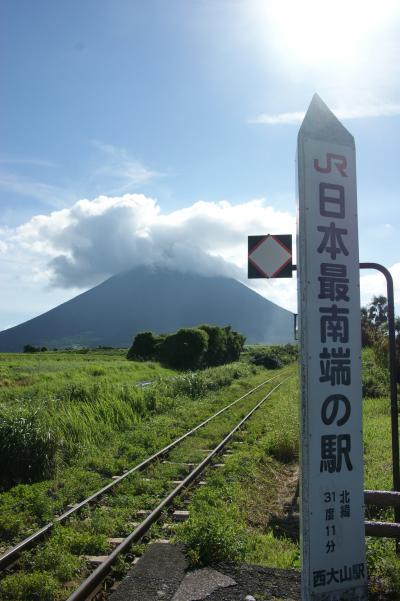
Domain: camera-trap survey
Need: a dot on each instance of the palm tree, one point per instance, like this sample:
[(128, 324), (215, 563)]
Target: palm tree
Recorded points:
[(378, 311)]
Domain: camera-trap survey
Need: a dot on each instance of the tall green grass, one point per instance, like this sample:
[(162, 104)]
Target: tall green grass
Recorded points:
[(43, 431), (272, 357), (229, 517), (25, 376), (27, 446)]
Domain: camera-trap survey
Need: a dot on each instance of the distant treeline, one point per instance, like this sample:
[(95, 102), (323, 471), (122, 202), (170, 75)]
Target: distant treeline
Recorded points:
[(29, 348), (189, 348), (272, 357)]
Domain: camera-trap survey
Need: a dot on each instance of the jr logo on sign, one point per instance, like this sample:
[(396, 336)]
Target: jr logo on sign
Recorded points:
[(338, 160)]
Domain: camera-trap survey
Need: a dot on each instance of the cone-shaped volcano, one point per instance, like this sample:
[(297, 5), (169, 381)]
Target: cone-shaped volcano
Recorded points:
[(162, 301)]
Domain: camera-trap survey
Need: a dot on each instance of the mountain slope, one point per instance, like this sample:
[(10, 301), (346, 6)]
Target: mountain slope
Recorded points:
[(152, 299)]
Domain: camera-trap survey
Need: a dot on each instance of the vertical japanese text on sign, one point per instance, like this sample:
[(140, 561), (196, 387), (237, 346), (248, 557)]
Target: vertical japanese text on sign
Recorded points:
[(332, 526)]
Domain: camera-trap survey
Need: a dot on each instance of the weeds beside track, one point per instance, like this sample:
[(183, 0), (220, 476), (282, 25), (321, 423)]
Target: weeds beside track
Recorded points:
[(90, 584), (113, 502)]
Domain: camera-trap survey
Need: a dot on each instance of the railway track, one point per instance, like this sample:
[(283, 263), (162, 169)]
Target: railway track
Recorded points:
[(120, 545)]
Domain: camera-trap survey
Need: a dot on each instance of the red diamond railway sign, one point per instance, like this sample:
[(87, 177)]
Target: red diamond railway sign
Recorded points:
[(270, 256)]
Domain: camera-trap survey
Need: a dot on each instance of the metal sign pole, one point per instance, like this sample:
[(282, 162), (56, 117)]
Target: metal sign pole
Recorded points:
[(332, 499), (392, 373), (393, 378)]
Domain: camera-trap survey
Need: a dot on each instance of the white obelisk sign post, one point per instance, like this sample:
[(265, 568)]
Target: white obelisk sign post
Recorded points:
[(332, 500)]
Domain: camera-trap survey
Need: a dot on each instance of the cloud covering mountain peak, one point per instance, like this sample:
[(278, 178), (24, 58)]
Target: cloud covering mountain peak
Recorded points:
[(94, 239)]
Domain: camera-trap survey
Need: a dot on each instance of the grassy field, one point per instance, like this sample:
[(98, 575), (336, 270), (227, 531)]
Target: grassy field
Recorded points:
[(258, 486), (29, 376), (86, 416), (233, 516), (56, 447)]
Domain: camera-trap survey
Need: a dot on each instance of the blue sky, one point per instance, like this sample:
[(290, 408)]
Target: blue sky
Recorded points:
[(159, 105)]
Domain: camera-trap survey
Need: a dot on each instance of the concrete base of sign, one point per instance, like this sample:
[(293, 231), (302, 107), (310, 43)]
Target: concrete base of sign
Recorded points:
[(200, 584), (163, 574), (157, 575)]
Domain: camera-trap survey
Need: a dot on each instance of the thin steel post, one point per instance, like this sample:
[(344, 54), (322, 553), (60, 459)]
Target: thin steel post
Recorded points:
[(393, 377)]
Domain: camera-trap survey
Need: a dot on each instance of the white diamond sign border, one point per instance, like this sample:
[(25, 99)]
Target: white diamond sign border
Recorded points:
[(258, 267)]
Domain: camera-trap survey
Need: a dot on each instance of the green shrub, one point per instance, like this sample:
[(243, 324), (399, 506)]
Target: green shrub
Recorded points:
[(374, 376), (196, 384), (234, 345), (192, 384), (36, 586), (273, 357), (213, 535), (97, 371), (143, 347), (81, 392), (189, 348), (87, 543), (27, 447), (374, 386), (267, 360), (186, 349), (224, 345), (217, 345), (28, 348), (381, 352), (282, 442), (53, 557), (383, 567), (283, 447)]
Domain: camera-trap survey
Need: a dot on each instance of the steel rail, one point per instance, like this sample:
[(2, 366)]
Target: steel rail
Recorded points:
[(12, 554), (98, 575)]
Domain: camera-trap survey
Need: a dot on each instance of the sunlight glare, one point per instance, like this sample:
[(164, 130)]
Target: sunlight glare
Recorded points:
[(317, 33)]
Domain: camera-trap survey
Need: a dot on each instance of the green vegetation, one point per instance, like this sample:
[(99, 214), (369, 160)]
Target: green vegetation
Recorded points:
[(375, 381), (27, 447), (232, 517), (189, 348), (383, 563), (186, 349), (133, 422), (272, 357), (30, 587), (215, 531), (29, 377), (88, 420), (144, 347), (252, 485), (40, 432), (28, 348), (374, 331), (97, 430)]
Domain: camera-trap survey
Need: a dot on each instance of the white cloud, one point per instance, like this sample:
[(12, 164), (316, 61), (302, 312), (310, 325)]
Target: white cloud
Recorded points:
[(53, 196), (112, 170), (81, 246), (118, 171), (357, 112), (278, 118), (282, 292), (28, 161), (373, 283)]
